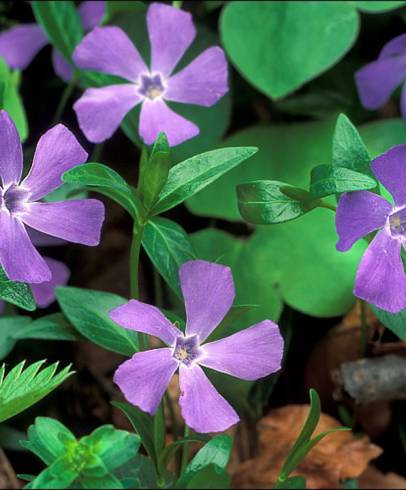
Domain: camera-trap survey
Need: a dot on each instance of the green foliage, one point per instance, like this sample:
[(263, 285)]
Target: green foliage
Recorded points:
[(396, 322), (327, 180), (10, 99), (16, 293), (23, 387), (304, 443), (88, 311), (278, 37), (61, 23), (377, 6), (168, 246), (91, 462)]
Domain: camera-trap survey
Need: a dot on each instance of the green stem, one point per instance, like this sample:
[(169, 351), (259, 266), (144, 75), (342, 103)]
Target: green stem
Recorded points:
[(134, 272), (65, 97), (185, 453), (327, 205), (364, 329), (96, 153)]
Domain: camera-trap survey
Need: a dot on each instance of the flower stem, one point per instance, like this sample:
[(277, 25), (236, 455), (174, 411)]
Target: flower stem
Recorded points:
[(70, 87), (364, 329), (185, 453)]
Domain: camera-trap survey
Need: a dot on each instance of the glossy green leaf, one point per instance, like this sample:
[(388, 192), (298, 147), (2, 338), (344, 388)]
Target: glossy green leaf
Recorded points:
[(210, 476), (396, 322), (9, 325), (16, 293), (108, 182), (88, 311), (194, 174), (168, 246), (327, 180), (61, 23), (269, 202), (22, 388), (48, 327), (10, 99), (169, 452), (279, 37)]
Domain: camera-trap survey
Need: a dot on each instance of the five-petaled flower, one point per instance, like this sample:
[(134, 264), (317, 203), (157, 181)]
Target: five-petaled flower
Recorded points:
[(108, 49), (377, 80), (250, 354), (381, 278), (77, 221), (20, 44)]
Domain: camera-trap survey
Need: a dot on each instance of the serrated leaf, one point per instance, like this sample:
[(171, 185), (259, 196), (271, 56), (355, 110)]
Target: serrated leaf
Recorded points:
[(168, 246), (88, 311), (21, 388), (192, 175), (269, 201), (16, 293)]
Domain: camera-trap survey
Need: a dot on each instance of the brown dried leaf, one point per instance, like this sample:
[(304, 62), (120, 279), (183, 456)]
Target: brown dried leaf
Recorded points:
[(373, 478), (338, 457)]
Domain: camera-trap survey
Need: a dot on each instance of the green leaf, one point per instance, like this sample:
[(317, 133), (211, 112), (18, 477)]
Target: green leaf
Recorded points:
[(295, 482), (349, 151), (10, 99), (171, 449), (155, 173), (46, 439), (395, 322), (269, 201), (16, 293), (280, 35), (143, 424), (210, 476), (55, 476), (61, 23), (377, 6), (9, 325), (48, 327), (114, 7), (108, 182), (194, 174), (88, 311), (327, 180), (168, 246), (22, 388), (139, 472), (107, 481)]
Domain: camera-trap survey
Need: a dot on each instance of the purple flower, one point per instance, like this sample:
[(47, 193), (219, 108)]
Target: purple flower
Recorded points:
[(377, 80), (381, 279), (20, 44), (208, 291), (108, 49), (77, 221)]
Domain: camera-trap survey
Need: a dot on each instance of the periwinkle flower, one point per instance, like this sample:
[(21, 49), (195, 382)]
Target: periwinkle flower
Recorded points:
[(381, 278), (208, 292), (20, 44), (77, 221), (171, 31), (377, 80)]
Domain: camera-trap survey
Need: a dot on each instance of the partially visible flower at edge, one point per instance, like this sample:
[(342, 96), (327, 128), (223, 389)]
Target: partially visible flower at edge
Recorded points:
[(20, 44), (108, 50), (77, 221), (381, 278), (208, 291), (377, 80)]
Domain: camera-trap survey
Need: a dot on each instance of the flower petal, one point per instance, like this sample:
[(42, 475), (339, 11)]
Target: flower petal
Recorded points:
[(91, 13), (42, 240), (208, 291), (249, 354), (76, 221), (62, 68), (203, 82), (358, 214), (144, 378), (390, 169), (377, 80), (156, 116), (396, 46), (18, 256), (57, 151), (109, 50), (20, 44), (171, 32), (202, 406), (145, 318), (11, 152), (44, 293), (100, 111), (381, 279)]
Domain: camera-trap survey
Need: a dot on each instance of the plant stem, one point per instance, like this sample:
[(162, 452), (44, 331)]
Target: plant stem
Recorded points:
[(65, 97), (138, 231), (364, 329), (185, 453), (329, 206), (97, 152)]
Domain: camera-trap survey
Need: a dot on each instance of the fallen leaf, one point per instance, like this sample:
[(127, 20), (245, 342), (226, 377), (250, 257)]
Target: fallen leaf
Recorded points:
[(340, 456)]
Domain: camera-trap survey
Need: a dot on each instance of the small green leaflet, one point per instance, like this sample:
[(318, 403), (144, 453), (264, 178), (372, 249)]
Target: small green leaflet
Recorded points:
[(16, 293)]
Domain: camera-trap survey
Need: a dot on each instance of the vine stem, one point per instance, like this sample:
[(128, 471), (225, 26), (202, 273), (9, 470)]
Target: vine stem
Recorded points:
[(185, 453), (66, 95)]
